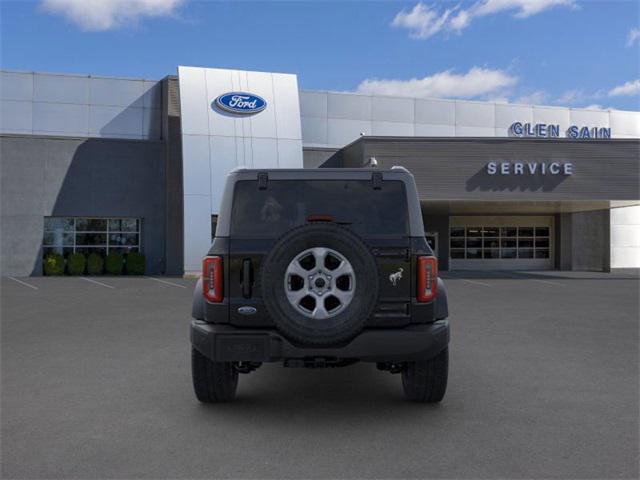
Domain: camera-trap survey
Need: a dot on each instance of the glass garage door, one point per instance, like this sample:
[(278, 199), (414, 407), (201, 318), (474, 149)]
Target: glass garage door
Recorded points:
[(510, 243)]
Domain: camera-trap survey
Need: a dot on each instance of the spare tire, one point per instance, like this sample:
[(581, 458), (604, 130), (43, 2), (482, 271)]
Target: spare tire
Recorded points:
[(320, 284)]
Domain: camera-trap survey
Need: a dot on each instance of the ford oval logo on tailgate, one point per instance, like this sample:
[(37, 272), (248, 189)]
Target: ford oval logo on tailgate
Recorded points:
[(240, 103), (246, 310)]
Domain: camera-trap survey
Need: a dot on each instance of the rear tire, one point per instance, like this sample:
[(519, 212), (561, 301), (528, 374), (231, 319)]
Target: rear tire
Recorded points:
[(213, 382), (425, 381)]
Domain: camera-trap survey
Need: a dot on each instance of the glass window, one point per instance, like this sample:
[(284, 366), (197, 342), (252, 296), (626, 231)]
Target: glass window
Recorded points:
[(117, 239), (285, 204), (91, 225), (115, 225), (457, 231), (526, 243), (491, 242), (525, 231), (58, 224), (66, 235), (509, 231), (432, 241), (490, 231), (508, 243), (457, 243), (91, 239), (214, 226), (474, 242), (474, 253), (491, 253), (542, 253), (525, 253), (508, 253), (58, 237), (457, 253), (542, 231), (474, 231), (123, 225), (542, 242)]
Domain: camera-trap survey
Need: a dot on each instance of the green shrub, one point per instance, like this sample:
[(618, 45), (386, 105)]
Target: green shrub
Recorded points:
[(95, 264), (53, 264), (113, 263), (135, 263), (76, 263)]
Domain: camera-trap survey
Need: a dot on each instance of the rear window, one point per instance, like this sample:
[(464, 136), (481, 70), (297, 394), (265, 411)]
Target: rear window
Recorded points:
[(285, 204)]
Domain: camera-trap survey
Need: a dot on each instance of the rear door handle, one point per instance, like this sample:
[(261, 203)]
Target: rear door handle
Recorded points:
[(246, 278)]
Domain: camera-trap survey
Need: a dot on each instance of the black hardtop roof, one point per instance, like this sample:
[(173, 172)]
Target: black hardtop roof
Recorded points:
[(275, 174), (394, 173), (334, 169)]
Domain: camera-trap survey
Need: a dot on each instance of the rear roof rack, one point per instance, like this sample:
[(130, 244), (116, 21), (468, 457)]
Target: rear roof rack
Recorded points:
[(263, 177), (376, 179)]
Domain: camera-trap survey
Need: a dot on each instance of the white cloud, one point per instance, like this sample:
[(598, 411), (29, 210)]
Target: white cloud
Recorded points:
[(571, 97), (421, 21), (476, 82), (539, 97), (424, 22), (99, 15), (524, 8), (580, 97), (497, 86), (633, 36), (631, 87)]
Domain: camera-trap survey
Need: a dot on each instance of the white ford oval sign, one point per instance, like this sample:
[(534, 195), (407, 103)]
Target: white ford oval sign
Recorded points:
[(240, 103)]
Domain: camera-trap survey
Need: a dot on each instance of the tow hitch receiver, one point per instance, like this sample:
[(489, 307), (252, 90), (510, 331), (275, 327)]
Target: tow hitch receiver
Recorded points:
[(318, 362)]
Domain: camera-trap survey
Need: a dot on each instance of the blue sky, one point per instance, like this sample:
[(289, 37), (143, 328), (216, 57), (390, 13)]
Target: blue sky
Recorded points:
[(558, 52)]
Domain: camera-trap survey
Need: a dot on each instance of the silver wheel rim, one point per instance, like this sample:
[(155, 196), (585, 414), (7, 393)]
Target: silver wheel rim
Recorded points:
[(319, 283)]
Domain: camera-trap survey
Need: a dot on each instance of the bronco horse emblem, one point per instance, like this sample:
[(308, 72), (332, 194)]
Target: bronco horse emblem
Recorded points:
[(394, 277)]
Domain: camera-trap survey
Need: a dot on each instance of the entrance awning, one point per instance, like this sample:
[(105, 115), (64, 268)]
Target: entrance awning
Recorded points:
[(484, 207)]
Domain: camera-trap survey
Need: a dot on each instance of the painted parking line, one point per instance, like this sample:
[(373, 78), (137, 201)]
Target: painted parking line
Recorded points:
[(475, 282), (166, 282), (24, 283), (97, 282)]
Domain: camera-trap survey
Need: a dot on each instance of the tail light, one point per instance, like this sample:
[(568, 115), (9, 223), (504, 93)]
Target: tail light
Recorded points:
[(212, 279), (427, 279)]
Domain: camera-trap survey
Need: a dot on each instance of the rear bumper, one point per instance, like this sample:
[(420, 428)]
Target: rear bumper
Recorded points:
[(223, 343)]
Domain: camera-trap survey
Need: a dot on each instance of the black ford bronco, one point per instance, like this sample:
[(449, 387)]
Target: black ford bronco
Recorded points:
[(320, 268)]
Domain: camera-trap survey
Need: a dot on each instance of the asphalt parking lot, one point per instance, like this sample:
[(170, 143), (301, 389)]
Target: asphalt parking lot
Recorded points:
[(543, 384)]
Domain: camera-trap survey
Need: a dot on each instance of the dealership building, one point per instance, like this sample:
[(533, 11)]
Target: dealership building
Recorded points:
[(101, 164)]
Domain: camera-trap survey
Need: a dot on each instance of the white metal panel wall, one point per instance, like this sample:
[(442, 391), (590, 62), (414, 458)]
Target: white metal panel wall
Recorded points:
[(215, 143), (625, 237), (334, 119), (79, 106)]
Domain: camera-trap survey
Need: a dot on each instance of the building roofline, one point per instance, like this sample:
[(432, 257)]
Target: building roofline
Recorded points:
[(381, 138), (78, 75), (455, 100), (333, 92)]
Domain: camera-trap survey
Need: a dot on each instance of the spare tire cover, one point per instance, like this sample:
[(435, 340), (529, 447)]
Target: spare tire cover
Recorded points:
[(320, 284)]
